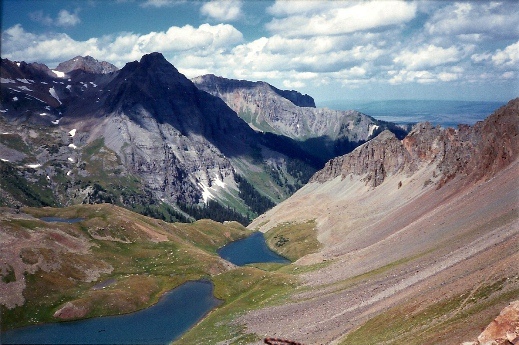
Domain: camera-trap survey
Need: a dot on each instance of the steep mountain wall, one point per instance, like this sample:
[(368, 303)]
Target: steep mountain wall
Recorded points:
[(178, 144), (418, 236)]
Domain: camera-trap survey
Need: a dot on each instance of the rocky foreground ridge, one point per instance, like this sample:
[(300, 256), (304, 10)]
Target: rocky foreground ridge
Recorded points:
[(418, 238)]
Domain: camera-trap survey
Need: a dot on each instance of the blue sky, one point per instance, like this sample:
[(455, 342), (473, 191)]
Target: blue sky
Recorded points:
[(331, 50)]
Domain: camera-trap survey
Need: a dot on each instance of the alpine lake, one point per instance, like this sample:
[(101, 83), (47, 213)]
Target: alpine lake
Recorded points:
[(174, 314)]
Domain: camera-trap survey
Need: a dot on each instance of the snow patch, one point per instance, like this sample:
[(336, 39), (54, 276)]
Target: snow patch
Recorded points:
[(372, 128), (6, 81), (35, 98), (55, 122), (4, 160), (206, 194), (15, 98), (69, 172), (93, 84), (33, 166), (24, 88), (72, 132), (43, 114), (3, 110), (70, 159), (69, 87), (54, 94), (18, 64), (219, 182), (72, 146), (44, 83), (25, 81), (59, 74)]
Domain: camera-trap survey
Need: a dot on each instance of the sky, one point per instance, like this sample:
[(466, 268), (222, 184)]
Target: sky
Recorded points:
[(331, 50)]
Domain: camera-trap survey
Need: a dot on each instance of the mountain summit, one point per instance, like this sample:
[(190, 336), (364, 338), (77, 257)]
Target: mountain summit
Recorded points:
[(87, 64), (178, 145)]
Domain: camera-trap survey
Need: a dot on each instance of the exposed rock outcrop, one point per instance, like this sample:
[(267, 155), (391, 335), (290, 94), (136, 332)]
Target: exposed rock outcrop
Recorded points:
[(321, 132), (477, 152), (147, 121), (503, 330), (87, 64)]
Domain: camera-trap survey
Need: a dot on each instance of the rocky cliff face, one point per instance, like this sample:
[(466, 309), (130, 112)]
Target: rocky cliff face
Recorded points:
[(321, 132), (87, 64), (419, 237), (86, 132), (477, 152)]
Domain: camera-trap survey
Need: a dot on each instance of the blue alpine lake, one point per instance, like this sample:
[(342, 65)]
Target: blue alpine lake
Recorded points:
[(176, 312), (252, 249)]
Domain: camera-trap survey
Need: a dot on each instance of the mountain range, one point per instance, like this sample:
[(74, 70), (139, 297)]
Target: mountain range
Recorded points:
[(405, 235), (88, 130)]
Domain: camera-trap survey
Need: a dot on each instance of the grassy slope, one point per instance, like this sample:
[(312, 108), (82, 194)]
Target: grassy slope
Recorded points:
[(141, 268)]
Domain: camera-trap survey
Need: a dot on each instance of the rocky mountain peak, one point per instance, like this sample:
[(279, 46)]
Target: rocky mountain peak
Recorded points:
[(219, 86), (477, 151), (87, 64)]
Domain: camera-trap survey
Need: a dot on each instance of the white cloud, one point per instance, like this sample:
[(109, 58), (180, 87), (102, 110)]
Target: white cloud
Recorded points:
[(492, 19), (421, 77), (223, 10), (428, 56), (42, 18), (18, 44), (65, 18), (337, 17), (296, 84), (158, 3), (508, 57)]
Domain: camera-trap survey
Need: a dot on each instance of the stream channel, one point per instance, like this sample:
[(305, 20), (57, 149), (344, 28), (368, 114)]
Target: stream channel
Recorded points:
[(176, 312)]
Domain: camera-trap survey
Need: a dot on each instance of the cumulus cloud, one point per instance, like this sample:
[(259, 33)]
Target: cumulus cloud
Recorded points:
[(508, 57), (428, 56), (42, 18), (222, 10), (471, 20), (18, 44), (64, 18), (303, 19), (158, 3)]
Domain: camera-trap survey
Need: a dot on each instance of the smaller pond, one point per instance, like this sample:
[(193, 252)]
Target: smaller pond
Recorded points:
[(61, 220), (252, 249), (176, 312)]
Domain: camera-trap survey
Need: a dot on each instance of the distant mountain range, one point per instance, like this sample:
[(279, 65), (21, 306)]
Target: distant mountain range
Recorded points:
[(147, 138)]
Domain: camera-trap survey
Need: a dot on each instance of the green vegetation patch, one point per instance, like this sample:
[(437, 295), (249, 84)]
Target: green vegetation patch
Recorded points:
[(413, 324), (29, 193), (242, 289), (294, 240), (144, 258), (8, 274)]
